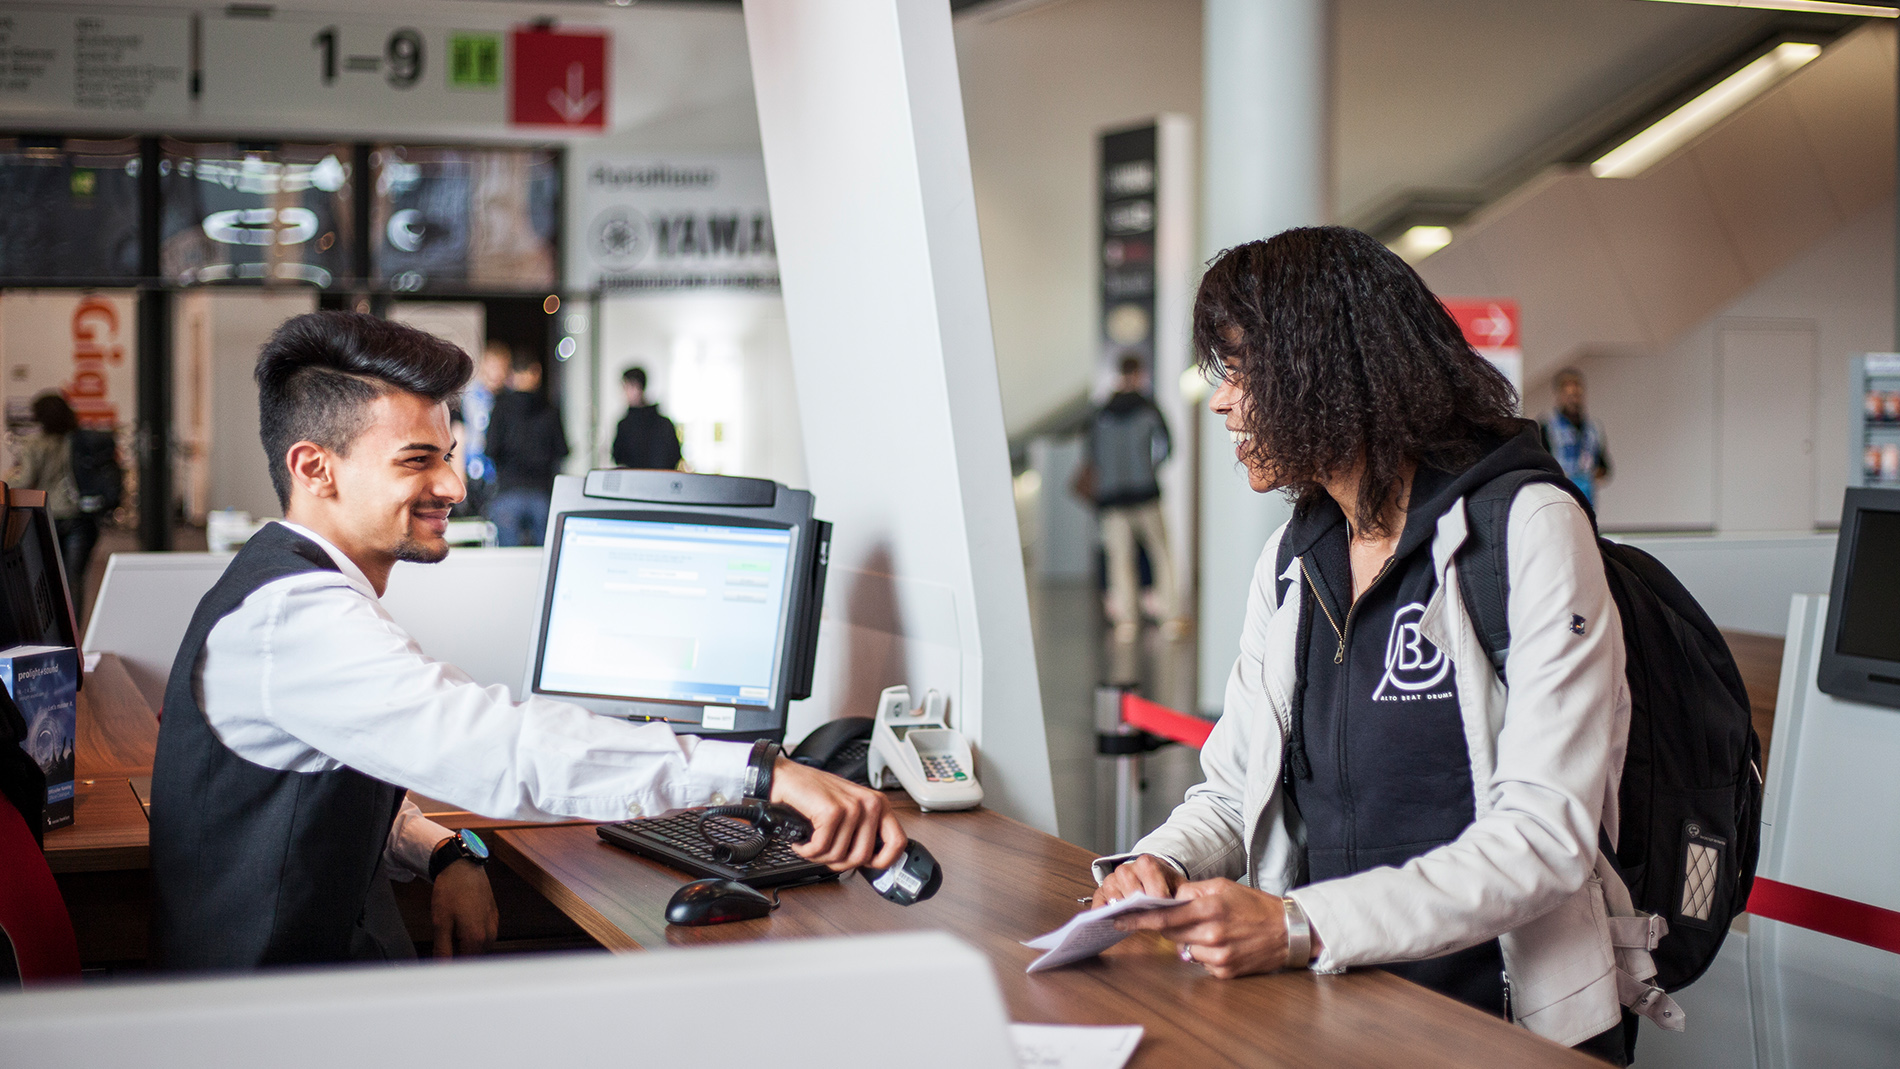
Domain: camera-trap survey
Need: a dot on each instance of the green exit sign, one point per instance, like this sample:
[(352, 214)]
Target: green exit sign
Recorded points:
[(474, 60)]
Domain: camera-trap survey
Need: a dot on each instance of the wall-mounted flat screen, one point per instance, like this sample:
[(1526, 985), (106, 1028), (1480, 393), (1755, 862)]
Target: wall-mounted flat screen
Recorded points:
[(256, 213), (464, 218), (1860, 655), (69, 209)]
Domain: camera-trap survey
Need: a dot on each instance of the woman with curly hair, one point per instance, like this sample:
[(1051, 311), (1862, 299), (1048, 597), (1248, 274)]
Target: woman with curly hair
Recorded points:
[(1385, 799)]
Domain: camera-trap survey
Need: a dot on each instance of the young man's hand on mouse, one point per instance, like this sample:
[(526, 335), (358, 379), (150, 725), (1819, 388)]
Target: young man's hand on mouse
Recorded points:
[(847, 820)]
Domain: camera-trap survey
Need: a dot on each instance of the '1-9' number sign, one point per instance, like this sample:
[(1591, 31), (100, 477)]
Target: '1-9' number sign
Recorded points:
[(400, 63)]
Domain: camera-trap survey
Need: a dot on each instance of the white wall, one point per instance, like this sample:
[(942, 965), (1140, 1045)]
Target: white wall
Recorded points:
[(1038, 86), (1659, 411), (716, 363)]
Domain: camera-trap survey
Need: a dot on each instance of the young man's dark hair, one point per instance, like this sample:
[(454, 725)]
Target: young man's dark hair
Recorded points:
[(54, 415), (635, 376), (318, 374), (1346, 354), (525, 361), (1131, 363)]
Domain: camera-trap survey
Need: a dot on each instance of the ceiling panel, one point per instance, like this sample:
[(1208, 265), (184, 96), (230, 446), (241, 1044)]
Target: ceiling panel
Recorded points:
[(1766, 184), (1669, 245)]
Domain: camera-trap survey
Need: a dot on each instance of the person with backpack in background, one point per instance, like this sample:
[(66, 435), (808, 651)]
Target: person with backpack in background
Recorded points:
[(527, 443), (1127, 441), (80, 472), (1410, 807)]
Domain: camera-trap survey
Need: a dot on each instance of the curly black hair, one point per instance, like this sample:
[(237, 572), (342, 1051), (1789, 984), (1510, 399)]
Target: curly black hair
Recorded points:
[(319, 373), (1344, 355)]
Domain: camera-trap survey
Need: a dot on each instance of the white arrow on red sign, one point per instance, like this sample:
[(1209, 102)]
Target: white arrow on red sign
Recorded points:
[(577, 101)]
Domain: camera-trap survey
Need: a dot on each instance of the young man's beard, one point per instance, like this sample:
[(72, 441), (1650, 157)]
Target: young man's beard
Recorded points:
[(416, 553), (409, 549)]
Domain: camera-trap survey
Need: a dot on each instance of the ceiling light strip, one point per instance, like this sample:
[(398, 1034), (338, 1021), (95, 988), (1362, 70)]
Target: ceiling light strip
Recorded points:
[(1823, 7), (1718, 102)]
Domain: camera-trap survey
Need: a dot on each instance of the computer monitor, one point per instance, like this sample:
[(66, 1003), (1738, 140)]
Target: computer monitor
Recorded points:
[(1860, 651), (691, 600), (36, 609)]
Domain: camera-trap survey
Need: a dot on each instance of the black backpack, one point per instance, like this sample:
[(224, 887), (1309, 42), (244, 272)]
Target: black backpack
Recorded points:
[(1691, 794), (98, 480)]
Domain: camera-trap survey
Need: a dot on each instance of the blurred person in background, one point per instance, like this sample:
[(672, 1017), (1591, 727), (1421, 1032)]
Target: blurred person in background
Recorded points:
[(1127, 441), (1574, 438), (645, 438), (477, 405), (527, 443), (80, 472)]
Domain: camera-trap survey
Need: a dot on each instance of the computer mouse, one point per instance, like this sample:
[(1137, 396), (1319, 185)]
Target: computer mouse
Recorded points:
[(715, 902)]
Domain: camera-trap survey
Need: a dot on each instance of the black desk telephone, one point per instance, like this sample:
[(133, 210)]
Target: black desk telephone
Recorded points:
[(912, 879)]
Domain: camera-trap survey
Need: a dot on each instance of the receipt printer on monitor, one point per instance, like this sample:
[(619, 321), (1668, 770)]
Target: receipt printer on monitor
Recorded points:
[(682, 598)]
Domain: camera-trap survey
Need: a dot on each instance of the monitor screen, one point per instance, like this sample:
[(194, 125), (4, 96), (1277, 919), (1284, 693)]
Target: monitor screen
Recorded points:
[(663, 611), (1869, 625)]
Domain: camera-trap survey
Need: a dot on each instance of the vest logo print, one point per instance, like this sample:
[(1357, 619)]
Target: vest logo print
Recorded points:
[(1413, 666), (1576, 624)]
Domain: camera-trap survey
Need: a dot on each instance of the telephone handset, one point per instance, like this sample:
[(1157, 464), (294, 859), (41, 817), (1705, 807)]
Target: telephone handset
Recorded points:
[(918, 749)]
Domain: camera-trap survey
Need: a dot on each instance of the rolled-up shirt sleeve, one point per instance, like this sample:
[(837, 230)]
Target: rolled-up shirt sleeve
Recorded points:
[(343, 678)]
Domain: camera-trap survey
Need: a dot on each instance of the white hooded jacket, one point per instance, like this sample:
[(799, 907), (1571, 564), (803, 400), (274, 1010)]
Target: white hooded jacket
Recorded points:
[(1546, 760)]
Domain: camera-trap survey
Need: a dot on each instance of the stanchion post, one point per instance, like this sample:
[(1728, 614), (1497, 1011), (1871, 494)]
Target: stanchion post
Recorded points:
[(1116, 739)]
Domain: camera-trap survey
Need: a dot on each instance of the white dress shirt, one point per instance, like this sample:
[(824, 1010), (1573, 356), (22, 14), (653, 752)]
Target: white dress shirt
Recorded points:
[(311, 674)]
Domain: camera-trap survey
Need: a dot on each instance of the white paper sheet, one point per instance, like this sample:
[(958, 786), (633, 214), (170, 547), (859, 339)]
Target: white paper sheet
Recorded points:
[(1090, 932), (1068, 1046)]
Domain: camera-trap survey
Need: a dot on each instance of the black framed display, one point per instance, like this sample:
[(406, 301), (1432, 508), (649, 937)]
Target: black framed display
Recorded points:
[(1860, 650), (465, 218), (256, 213), (69, 209)]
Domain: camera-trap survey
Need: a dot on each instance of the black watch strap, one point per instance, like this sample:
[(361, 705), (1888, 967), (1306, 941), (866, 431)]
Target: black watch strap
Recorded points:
[(758, 769), (450, 851)]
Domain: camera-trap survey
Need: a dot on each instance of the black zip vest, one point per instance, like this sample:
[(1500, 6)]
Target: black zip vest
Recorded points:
[(252, 866)]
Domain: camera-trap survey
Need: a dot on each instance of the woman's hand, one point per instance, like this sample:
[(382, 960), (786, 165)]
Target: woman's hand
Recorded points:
[(1225, 928), (1145, 874)]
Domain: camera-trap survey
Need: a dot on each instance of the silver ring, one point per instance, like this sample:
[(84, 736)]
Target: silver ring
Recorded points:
[(1187, 954)]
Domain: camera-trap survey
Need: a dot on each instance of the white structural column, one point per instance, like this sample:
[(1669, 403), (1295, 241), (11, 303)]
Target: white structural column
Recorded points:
[(1264, 137), (868, 164)]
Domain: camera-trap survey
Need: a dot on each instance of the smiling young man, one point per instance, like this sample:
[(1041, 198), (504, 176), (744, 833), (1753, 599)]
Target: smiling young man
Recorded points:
[(298, 712)]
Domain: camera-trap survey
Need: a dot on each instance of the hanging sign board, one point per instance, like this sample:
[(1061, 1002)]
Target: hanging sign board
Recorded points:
[(671, 223), (320, 71), (55, 63), (316, 71), (1490, 325)]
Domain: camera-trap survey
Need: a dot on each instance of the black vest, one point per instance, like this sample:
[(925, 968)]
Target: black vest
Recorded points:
[(252, 866)]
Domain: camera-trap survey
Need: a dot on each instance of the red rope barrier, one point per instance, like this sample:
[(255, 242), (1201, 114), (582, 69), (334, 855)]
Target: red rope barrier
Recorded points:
[(1828, 914), (1160, 720)]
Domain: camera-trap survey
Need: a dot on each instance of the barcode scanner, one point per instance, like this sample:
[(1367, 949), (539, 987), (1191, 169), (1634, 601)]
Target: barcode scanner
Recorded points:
[(913, 878)]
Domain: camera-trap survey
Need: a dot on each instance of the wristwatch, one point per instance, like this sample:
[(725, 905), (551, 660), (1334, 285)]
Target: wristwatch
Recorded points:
[(758, 769), (464, 845), (1299, 935)]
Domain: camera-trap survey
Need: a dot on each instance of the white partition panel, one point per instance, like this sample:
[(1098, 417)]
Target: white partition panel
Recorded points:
[(1827, 825), (474, 610), (822, 1004), (867, 161)]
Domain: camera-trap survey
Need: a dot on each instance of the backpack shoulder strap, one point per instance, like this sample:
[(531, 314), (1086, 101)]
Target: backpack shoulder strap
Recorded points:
[(1484, 568)]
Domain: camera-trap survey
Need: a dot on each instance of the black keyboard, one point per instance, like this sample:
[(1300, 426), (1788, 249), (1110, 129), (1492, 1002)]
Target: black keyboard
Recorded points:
[(675, 840)]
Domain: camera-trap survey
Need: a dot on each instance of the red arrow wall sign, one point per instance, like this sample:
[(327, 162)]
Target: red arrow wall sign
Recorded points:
[(559, 79)]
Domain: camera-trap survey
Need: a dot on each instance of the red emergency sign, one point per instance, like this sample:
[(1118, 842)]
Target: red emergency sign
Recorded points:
[(1487, 323)]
